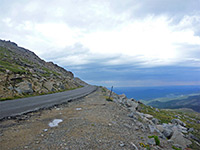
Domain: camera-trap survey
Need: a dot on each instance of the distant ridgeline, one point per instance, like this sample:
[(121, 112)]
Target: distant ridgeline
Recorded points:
[(192, 102), (165, 97), (23, 73)]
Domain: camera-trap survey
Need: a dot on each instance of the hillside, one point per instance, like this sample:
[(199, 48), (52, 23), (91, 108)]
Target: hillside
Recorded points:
[(192, 102), (23, 73)]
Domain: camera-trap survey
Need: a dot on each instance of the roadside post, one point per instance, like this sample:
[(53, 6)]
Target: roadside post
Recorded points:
[(111, 92)]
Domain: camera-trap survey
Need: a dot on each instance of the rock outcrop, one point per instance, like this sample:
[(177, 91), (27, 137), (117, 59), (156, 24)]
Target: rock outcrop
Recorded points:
[(22, 72), (174, 131)]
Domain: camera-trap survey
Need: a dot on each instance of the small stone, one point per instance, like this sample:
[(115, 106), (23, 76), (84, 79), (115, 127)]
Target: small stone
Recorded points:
[(177, 116), (25, 147), (151, 141), (45, 130), (134, 146), (152, 128), (127, 125), (136, 128), (78, 108), (121, 144), (177, 146), (131, 115)]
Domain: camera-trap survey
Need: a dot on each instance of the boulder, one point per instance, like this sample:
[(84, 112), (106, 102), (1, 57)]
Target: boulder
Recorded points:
[(122, 98), (148, 116), (160, 128), (131, 104), (167, 133), (132, 115), (181, 129), (24, 87), (155, 121), (190, 129), (178, 138), (194, 137), (49, 85), (153, 129), (128, 103), (151, 141), (178, 122)]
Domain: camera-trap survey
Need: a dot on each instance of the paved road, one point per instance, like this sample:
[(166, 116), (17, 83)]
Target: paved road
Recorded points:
[(24, 105)]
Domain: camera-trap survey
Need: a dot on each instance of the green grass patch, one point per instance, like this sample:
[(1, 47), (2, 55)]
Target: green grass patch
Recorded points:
[(12, 67), (176, 148), (145, 146), (110, 99), (4, 52), (163, 115), (157, 141)]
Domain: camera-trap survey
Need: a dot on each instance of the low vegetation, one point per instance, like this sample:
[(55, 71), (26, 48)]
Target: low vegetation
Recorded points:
[(190, 118), (110, 99), (157, 141)]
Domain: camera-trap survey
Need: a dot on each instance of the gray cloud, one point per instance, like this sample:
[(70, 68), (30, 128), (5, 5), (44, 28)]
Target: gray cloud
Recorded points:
[(19, 22)]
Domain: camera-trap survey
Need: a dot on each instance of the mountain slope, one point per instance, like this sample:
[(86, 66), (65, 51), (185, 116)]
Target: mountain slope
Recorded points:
[(22, 73)]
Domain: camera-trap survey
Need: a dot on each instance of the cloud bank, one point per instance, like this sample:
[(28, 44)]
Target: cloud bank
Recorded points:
[(102, 37)]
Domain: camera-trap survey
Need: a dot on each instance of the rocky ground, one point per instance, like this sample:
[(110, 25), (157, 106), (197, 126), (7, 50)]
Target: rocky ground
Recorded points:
[(88, 123)]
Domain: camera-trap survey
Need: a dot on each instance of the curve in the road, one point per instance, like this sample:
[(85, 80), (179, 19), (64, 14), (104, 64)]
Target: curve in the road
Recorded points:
[(24, 105)]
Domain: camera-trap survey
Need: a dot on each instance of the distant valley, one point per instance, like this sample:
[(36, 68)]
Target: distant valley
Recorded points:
[(190, 101), (170, 97)]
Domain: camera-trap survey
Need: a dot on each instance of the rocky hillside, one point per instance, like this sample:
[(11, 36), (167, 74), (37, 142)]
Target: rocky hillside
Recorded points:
[(23, 73), (179, 127)]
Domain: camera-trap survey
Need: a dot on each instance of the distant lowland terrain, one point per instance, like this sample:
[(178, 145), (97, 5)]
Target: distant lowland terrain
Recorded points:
[(190, 101), (23, 73), (174, 97)]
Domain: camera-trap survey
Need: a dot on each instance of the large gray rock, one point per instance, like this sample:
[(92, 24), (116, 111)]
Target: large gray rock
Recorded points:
[(178, 122), (132, 115), (155, 121), (153, 129), (194, 137), (182, 129), (178, 138), (49, 85), (24, 87), (151, 141), (122, 98), (160, 128), (148, 116), (167, 133)]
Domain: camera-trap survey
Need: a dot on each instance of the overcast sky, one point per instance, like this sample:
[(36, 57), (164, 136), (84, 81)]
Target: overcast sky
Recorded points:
[(111, 42)]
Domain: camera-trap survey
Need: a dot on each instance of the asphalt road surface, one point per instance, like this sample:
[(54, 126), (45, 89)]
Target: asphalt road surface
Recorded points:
[(24, 105)]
